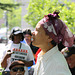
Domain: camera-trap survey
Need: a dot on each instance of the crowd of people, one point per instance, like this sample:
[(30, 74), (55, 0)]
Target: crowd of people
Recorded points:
[(17, 51), (49, 50)]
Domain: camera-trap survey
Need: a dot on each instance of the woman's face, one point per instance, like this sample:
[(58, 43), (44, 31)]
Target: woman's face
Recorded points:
[(17, 38), (28, 38), (39, 36)]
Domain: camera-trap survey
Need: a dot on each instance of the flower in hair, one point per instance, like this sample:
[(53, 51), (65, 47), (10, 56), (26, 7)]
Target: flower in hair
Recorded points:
[(54, 15)]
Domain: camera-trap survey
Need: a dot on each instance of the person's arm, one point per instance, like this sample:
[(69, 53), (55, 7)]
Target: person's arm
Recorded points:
[(4, 61), (28, 63)]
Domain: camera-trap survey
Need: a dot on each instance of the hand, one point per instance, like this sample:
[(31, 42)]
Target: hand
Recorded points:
[(8, 54)]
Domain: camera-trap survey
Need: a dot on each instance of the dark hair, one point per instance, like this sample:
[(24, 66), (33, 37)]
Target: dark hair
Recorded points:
[(53, 43), (27, 31), (60, 45)]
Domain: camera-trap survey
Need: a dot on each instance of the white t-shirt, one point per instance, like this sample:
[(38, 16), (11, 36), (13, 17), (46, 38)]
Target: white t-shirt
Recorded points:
[(25, 53), (51, 63)]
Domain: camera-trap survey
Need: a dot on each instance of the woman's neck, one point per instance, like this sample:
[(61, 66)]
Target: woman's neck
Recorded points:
[(46, 48)]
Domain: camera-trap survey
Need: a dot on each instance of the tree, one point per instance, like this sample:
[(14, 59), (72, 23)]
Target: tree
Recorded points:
[(6, 6), (14, 18), (13, 12), (38, 8)]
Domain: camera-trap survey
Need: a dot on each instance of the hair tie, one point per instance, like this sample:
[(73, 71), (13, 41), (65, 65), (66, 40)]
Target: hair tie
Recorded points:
[(54, 15)]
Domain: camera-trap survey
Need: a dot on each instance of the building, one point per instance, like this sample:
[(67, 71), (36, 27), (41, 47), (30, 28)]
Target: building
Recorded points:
[(24, 24)]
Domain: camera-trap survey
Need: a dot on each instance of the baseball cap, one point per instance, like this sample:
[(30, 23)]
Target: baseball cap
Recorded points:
[(69, 51), (16, 30), (14, 63)]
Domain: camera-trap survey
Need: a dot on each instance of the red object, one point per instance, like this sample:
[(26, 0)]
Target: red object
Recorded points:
[(36, 55)]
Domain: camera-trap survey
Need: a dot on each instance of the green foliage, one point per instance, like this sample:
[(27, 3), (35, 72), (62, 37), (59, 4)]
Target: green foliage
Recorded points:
[(13, 13), (0, 73), (1, 69), (7, 6), (14, 18), (38, 8), (1, 13)]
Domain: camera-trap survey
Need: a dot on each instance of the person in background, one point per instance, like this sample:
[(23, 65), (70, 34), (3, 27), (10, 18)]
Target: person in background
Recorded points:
[(48, 33), (28, 38), (17, 68), (69, 53), (17, 51)]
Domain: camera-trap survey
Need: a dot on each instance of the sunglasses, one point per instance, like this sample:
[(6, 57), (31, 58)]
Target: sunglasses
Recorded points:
[(18, 68)]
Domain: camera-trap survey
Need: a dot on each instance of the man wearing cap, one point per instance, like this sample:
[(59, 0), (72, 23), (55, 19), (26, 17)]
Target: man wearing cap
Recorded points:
[(17, 51), (69, 53), (17, 68)]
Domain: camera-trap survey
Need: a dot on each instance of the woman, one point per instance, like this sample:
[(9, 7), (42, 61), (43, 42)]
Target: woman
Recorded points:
[(48, 33)]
